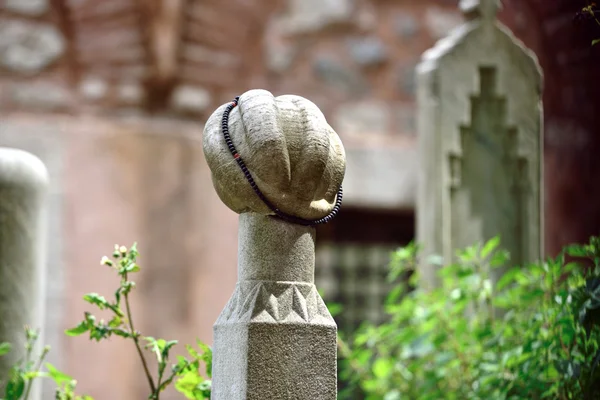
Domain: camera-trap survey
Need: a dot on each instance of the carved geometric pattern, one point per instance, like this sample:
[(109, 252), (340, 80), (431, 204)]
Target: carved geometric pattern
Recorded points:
[(489, 175), (275, 302)]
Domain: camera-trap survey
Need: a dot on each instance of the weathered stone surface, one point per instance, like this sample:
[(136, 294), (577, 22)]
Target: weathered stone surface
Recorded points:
[(275, 339), (366, 17), (45, 141), (130, 93), (204, 54), (293, 154), (393, 186), (312, 15), (406, 119), (40, 95), (406, 26), (279, 53), (407, 78), (187, 98), (23, 186), (279, 57), (364, 118), (29, 47), (441, 22), (480, 142), (367, 51), (27, 7), (339, 76), (93, 88)]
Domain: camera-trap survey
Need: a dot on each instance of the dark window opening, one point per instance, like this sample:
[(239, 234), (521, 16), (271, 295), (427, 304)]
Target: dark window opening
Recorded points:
[(353, 253)]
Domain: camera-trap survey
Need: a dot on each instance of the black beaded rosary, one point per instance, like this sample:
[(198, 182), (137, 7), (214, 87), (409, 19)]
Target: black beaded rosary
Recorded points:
[(250, 179)]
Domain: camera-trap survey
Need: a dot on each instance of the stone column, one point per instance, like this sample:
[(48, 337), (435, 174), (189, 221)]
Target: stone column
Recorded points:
[(275, 339), (23, 186)]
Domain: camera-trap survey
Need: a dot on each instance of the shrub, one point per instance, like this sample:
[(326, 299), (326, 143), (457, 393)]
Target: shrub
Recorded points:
[(533, 334)]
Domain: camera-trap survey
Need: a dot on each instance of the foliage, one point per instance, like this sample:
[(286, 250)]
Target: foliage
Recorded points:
[(22, 375), (532, 334), (590, 13), (185, 372)]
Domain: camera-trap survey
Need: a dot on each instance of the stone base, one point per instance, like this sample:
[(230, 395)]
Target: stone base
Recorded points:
[(275, 340)]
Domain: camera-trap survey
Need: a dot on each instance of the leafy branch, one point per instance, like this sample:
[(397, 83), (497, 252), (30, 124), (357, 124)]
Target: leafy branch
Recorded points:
[(589, 12), (24, 372), (185, 371)]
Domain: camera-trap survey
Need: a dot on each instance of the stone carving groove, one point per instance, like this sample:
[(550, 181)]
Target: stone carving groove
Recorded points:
[(270, 302), (489, 170)]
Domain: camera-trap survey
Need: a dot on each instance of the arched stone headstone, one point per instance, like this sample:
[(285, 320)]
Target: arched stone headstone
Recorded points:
[(275, 339), (480, 141)]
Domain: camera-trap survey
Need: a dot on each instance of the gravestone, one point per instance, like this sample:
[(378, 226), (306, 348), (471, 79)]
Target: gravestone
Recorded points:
[(23, 187), (480, 142), (275, 339)]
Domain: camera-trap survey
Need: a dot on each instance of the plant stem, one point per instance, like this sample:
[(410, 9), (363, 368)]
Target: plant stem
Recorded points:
[(37, 369), (159, 381), (136, 340)]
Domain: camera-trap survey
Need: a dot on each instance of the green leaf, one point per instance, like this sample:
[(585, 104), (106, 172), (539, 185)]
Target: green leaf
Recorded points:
[(192, 352), (95, 298), (490, 246), (133, 251), (121, 332), (115, 322), (4, 348), (335, 308), (165, 349), (118, 297), (78, 330), (207, 356), (393, 395), (15, 387), (155, 346), (575, 250), (499, 258), (204, 388), (130, 267), (126, 287), (595, 41), (59, 377), (188, 385), (382, 368)]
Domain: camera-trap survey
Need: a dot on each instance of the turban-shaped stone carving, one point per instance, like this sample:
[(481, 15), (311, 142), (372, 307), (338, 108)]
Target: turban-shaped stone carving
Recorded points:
[(295, 157)]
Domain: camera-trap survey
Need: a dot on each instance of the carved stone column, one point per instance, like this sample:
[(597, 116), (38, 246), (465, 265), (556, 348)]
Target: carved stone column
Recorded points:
[(275, 339)]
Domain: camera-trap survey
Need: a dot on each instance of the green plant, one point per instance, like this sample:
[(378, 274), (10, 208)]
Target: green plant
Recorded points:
[(532, 334), (24, 372), (185, 372), (589, 12)]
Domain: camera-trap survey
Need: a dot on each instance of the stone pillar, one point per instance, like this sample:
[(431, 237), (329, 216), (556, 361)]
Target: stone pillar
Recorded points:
[(480, 142), (23, 186), (275, 339)]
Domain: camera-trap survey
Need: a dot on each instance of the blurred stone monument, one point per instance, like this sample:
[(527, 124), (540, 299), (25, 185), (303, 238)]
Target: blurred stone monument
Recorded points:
[(480, 141), (23, 187), (278, 163)]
